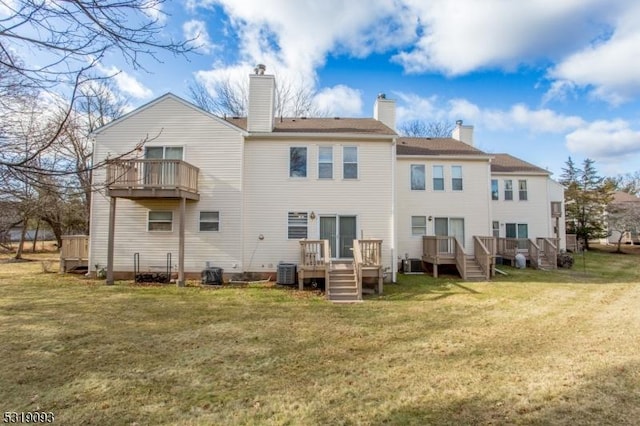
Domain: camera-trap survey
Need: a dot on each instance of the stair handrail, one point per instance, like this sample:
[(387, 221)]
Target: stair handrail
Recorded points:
[(534, 253), (461, 261), (482, 255), (551, 252), (357, 266)]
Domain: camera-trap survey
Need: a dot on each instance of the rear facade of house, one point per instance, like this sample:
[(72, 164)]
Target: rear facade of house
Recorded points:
[(184, 189)]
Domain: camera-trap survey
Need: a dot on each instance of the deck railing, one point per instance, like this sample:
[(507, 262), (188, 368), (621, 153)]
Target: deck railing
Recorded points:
[(357, 266), (512, 246), (461, 261), (152, 174), (549, 250), (483, 254), (371, 251), (435, 246), (534, 254), (74, 247), (315, 254)]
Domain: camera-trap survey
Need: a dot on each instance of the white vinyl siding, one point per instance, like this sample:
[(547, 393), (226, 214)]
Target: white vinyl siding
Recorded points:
[(211, 145), (209, 221), (350, 162), (269, 195), (418, 177), (160, 221)]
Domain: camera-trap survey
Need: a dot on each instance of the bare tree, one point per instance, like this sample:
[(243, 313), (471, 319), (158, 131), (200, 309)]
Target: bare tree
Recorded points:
[(623, 218), (628, 182), (426, 129), (69, 38), (227, 96)]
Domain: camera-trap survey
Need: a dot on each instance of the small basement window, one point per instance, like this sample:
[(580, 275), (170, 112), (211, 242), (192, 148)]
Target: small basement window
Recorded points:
[(160, 221), (209, 221)]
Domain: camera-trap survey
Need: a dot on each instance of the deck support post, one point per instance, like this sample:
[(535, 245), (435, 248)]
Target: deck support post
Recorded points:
[(183, 211), (435, 269), (111, 240), (380, 279)]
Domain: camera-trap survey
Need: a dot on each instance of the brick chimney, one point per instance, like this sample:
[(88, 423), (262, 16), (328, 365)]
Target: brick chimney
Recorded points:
[(384, 110), (463, 133), (262, 97)]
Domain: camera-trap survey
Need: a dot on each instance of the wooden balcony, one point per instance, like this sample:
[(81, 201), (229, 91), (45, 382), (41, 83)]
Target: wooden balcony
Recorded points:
[(141, 178)]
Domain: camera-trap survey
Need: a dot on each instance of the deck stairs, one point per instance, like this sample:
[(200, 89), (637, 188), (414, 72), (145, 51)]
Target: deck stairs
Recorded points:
[(474, 272), (343, 286)]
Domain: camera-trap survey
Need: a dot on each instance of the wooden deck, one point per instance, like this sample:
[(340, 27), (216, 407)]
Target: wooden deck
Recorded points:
[(445, 250), (142, 178), (343, 278), (541, 253), (151, 179), (74, 252)]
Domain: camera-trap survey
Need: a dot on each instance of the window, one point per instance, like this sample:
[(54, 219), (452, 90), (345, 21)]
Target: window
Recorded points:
[(495, 227), (508, 189), (418, 225), (417, 177), (350, 162), (438, 178), (518, 230), (494, 189), (297, 225), (209, 221), (160, 221), (522, 190), (297, 161), (456, 178), (325, 162), (556, 209), (162, 173)]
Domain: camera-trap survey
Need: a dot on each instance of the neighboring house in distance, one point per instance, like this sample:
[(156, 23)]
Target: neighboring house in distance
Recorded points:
[(631, 202), (343, 198)]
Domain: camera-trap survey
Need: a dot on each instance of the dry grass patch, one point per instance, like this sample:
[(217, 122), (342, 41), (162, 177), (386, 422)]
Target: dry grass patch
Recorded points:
[(542, 348)]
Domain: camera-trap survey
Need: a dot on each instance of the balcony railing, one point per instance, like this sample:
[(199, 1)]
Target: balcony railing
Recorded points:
[(159, 178)]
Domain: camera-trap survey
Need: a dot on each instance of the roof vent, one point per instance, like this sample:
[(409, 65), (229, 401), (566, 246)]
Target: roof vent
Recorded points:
[(260, 69), (382, 96), (458, 122), (336, 118)]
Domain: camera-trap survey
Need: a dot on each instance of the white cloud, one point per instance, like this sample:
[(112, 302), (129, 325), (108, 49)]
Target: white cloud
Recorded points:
[(518, 117), (603, 140), (610, 68), (126, 83), (339, 101), (196, 31), (413, 107), (153, 9), (466, 35)]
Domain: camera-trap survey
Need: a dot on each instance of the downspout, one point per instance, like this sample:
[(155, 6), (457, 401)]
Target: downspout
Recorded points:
[(394, 263)]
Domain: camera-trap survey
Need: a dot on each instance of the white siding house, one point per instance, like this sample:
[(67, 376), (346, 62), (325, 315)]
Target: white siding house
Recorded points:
[(172, 126), (184, 188), (522, 195)]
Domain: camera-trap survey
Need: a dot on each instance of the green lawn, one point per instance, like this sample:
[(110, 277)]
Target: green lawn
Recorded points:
[(531, 348)]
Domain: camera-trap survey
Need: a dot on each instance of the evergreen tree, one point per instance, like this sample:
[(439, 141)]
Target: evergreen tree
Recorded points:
[(586, 195)]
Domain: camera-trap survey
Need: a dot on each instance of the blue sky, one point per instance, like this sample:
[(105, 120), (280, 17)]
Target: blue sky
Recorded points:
[(539, 79)]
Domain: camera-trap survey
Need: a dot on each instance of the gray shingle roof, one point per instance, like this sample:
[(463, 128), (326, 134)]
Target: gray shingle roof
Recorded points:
[(368, 126), (435, 146), (506, 163)]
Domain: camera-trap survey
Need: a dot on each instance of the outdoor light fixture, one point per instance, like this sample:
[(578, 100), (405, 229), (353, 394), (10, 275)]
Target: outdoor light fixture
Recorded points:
[(312, 215)]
